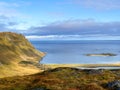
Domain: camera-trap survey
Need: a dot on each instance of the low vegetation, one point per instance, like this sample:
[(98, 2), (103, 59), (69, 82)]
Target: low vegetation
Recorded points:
[(63, 79)]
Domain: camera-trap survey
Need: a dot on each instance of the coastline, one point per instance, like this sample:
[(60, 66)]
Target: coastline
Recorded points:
[(52, 66)]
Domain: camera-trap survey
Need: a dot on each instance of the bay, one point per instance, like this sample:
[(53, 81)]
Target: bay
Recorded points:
[(74, 51)]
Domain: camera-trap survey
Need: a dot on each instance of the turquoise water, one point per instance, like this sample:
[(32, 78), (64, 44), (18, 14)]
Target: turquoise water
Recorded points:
[(72, 52)]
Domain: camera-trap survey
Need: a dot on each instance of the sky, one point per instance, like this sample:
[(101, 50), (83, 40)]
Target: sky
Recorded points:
[(62, 19)]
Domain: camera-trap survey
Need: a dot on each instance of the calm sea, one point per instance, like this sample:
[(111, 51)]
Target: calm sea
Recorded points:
[(68, 52)]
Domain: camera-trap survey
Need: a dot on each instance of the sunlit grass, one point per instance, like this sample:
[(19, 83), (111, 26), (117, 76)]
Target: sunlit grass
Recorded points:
[(15, 48), (62, 79)]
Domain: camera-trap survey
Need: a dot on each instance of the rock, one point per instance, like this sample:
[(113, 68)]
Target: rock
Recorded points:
[(114, 84), (117, 88), (102, 54), (99, 71)]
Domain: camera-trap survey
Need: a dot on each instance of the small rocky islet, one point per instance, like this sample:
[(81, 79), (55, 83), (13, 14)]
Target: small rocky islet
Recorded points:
[(102, 54)]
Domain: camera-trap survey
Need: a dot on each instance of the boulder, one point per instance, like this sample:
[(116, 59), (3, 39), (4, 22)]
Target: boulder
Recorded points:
[(114, 84)]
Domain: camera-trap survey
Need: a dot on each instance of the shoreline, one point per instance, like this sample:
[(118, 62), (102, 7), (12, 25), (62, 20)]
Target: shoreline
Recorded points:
[(52, 66)]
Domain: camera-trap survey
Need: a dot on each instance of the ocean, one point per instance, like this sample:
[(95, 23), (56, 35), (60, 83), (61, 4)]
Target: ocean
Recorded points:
[(74, 51)]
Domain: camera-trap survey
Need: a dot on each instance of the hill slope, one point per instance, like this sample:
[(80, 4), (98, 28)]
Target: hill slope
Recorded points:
[(17, 55)]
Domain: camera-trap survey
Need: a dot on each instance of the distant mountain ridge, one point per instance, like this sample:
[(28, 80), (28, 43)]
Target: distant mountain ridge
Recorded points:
[(17, 55)]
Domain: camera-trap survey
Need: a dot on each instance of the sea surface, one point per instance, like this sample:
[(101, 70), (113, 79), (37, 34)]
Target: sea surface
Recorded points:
[(74, 52)]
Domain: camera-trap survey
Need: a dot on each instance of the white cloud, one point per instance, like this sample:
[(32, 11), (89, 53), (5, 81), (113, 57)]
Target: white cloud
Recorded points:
[(79, 27), (8, 9), (11, 9), (10, 13), (74, 37)]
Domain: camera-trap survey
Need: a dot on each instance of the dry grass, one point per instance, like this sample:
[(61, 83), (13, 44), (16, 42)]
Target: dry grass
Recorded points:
[(17, 70), (15, 48), (61, 79)]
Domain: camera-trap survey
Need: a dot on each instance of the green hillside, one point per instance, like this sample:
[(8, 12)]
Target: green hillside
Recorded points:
[(17, 55)]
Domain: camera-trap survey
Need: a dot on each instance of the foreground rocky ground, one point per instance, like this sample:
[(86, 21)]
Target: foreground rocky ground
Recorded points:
[(64, 79)]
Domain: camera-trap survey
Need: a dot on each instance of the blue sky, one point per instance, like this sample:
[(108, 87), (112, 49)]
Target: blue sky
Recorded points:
[(62, 19)]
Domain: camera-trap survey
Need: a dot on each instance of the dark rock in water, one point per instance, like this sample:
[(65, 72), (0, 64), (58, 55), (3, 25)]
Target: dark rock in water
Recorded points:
[(102, 54), (114, 84)]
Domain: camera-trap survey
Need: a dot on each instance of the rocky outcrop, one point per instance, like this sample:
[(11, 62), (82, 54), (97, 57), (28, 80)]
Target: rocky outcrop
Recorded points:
[(102, 54), (115, 85)]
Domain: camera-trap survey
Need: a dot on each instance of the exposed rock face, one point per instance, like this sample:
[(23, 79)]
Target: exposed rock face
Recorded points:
[(17, 55), (99, 71), (114, 85)]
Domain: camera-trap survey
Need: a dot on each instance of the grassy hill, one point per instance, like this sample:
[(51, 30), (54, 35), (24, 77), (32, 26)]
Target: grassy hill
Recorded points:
[(17, 55)]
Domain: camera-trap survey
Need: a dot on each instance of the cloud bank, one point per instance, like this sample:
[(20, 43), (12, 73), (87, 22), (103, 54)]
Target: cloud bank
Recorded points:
[(76, 30), (67, 30), (74, 37), (77, 27)]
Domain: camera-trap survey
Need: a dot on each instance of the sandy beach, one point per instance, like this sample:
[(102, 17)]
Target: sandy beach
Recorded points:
[(81, 65)]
